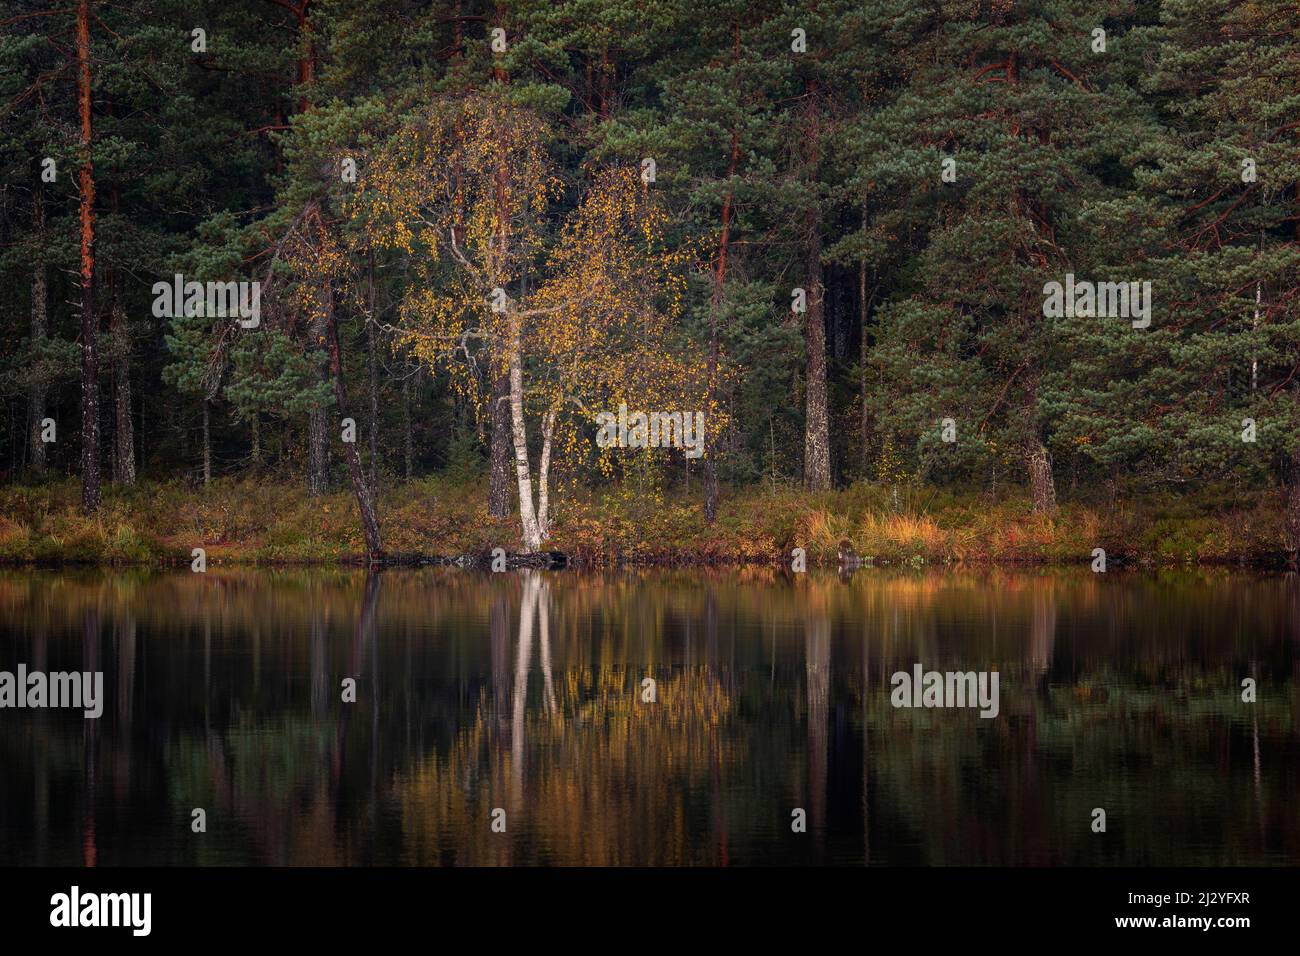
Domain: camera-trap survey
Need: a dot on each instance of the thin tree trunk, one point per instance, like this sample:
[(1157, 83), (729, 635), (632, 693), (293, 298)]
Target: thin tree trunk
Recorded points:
[(374, 398), (124, 431), (90, 484), (499, 477), (1254, 325), (120, 337), (365, 504), (207, 441), (864, 318), (817, 446), (40, 329), (408, 386), (544, 475), (318, 424)]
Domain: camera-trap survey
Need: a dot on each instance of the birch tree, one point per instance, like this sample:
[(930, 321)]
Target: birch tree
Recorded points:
[(468, 191)]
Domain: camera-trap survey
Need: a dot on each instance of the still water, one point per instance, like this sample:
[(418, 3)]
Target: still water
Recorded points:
[(523, 692)]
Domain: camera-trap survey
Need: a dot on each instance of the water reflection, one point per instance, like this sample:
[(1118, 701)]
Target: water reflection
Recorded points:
[(523, 692)]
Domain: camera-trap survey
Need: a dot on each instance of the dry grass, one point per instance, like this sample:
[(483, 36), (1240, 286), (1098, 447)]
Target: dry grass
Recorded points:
[(245, 520), (903, 533)]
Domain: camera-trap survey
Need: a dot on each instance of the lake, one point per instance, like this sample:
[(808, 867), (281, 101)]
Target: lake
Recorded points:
[(507, 718)]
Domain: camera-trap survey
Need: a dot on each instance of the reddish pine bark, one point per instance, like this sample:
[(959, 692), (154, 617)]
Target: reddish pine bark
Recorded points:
[(90, 481)]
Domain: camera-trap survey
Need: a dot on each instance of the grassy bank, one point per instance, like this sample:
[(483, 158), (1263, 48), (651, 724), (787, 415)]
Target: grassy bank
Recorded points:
[(251, 521)]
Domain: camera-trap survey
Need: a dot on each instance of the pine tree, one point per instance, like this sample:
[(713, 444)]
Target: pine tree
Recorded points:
[(1004, 134)]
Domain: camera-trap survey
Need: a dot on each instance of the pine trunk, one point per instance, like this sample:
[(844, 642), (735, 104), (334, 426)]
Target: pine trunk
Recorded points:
[(318, 424), (864, 317), (817, 444), (124, 430), (1041, 485), (90, 483), (374, 400), (37, 394), (207, 442)]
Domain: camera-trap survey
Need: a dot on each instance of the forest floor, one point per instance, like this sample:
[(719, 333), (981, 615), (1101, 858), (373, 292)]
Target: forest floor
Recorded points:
[(267, 521)]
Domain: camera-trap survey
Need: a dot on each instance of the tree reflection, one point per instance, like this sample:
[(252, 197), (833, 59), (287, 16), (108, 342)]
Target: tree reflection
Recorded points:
[(523, 691)]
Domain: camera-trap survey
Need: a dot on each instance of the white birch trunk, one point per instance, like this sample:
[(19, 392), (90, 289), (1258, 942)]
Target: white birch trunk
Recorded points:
[(544, 476), (519, 433)]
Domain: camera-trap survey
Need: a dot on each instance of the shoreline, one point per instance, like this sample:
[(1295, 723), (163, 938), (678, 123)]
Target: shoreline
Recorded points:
[(558, 561), (438, 522)]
